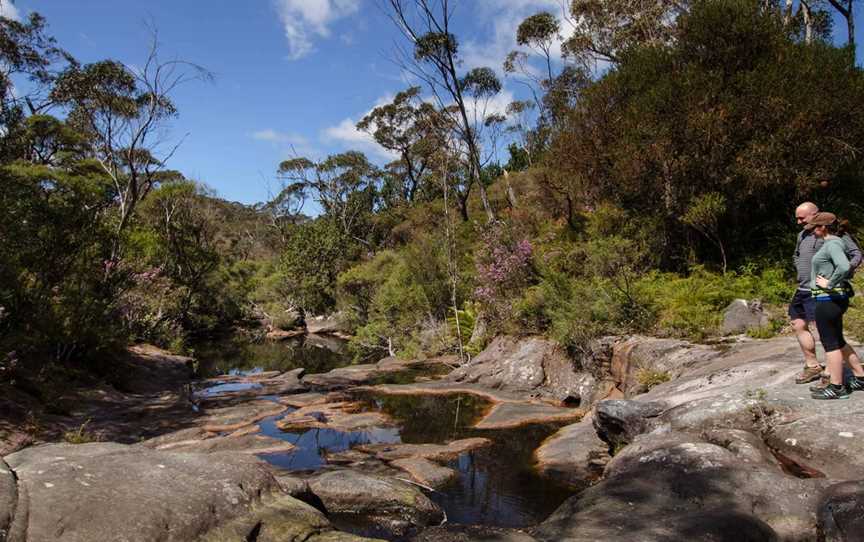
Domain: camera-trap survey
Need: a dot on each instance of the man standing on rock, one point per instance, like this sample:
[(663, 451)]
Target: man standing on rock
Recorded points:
[(803, 305)]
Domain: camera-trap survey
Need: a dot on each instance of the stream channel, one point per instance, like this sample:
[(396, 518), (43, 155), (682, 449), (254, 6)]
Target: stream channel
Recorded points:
[(496, 485)]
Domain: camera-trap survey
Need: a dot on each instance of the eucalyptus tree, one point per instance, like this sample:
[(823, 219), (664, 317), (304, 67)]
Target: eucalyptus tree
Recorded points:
[(27, 52), (124, 112), (554, 83), (603, 30), (435, 60), (538, 33), (413, 129), (344, 185)]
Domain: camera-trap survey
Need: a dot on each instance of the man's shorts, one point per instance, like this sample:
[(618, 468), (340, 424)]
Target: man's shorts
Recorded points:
[(803, 306)]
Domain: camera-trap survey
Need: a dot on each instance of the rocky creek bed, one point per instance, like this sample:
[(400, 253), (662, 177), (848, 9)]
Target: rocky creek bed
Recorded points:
[(518, 445)]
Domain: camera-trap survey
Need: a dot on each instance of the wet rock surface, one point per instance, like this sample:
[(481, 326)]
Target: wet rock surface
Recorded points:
[(574, 455), (513, 414), (396, 508), (424, 471), (434, 452), (339, 415)]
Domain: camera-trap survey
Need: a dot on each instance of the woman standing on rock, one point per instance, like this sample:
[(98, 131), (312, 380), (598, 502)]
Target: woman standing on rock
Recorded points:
[(830, 286)]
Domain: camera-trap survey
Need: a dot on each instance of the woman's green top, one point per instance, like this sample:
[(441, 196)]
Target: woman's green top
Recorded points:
[(831, 262)]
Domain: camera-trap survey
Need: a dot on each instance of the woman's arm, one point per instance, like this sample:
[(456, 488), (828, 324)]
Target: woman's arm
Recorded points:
[(841, 263)]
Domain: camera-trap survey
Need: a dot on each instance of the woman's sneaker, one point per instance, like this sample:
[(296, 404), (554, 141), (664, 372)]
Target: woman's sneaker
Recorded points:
[(831, 391), (824, 380), (856, 383)]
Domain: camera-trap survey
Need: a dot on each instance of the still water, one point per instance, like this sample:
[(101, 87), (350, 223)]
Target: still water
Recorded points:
[(496, 485)]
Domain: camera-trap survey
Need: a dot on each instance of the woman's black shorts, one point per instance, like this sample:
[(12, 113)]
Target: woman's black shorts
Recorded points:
[(829, 322)]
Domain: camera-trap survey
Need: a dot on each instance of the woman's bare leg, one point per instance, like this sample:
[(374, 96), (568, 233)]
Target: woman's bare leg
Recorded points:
[(834, 361), (854, 361)]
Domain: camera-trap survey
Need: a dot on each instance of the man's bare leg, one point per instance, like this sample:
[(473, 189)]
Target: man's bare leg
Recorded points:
[(853, 360), (806, 340)]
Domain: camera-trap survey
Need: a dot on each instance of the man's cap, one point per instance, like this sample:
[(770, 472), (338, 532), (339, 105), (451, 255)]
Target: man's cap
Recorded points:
[(820, 219)]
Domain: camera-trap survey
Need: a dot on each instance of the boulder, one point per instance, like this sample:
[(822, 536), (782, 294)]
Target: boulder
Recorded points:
[(272, 520), (81, 492), (394, 507), (284, 334), (239, 415), (340, 416), (574, 455), (424, 471), (674, 486), (433, 452), (8, 498), (742, 315), (619, 421), (634, 364), (841, 513), (511, 414), (246, 441), (334, 324), (533, 365), (472, 533)]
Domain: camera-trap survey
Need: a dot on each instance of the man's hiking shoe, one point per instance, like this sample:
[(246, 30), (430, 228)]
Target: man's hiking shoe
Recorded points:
[(830, 392), (809, 374)]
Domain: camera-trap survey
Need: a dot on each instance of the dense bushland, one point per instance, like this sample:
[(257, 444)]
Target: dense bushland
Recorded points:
[(640, 195)]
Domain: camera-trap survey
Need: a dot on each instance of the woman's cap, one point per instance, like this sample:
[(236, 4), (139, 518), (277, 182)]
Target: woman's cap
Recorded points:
[(820, 219)]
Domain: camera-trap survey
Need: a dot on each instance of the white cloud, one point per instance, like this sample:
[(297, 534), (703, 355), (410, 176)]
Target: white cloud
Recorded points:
[(8, 10), (346, 133), (306, 20), (289, 144), (275, 136)]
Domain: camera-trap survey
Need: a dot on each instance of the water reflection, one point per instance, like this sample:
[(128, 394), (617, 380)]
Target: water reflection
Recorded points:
[(239, 354), (497, 485), (313, 444), (229, 387)]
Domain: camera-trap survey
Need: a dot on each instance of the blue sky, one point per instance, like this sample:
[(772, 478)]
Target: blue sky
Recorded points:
[(288, 73)]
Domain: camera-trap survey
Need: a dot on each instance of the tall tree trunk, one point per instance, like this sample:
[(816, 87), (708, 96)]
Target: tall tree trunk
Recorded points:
[(511, 194), (808, 22), (787, 13)]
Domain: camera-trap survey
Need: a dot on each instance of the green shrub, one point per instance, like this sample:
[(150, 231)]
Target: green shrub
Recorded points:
[(767, 331), (648, 378), (81, 435), (692, 306)]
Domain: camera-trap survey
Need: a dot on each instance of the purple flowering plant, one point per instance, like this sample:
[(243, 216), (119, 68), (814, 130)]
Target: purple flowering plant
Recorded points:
[(504, 269)]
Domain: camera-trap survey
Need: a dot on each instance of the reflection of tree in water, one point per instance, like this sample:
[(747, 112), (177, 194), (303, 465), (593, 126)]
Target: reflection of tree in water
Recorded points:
[(497, 485), (314, 444), (431, 418), (238, 352)]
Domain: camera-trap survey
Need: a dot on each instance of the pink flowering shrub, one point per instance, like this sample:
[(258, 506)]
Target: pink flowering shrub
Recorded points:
[(504, 270)]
